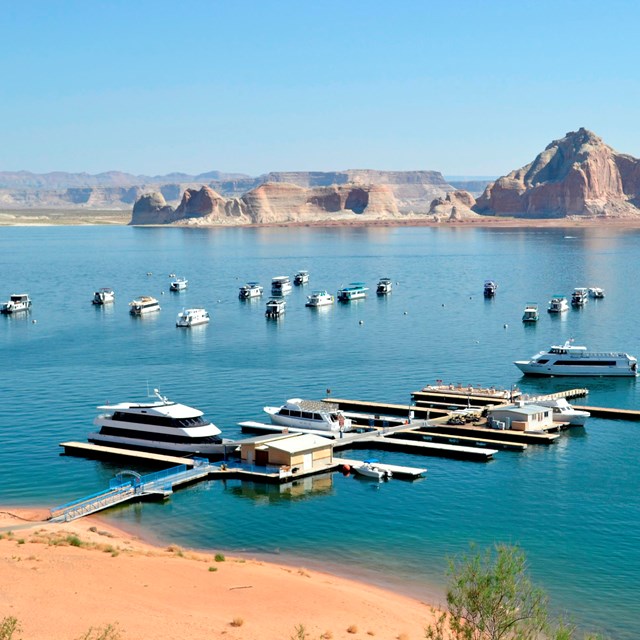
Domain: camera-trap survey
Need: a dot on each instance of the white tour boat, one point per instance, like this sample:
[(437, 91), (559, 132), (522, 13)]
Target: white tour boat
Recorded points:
[(579, 297), (353, 291), (558, 304), (280, 286), (320, 298), (490, 288), (104, 296), (192, 317), (370, 469), (530, 313), (143, 305), (302, 277), (162, 425), (250, 290), (179, 284), (275, 308), (17, 302), (570, 360), (596, 293), (309, 414), (564, 412), (384, 286)]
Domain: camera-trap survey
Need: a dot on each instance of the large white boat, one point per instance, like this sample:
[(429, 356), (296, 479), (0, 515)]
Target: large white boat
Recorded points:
[(309, 414), (157, 426), (275, 308), (280, 286), (104, 296), (143, 305), (178, 284), (564, 412), (558, 304), (385, 285), (579, 297), (192, 317), (17, 302), (250, 290), (302, 277), (320, 298), (353, 291), (570, 360)]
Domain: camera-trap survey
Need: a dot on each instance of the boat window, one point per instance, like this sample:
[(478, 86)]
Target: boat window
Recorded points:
[(581, 362), (317, 416), (159, 437), (295, 414), (284, 412), (543, 360), (307, 414)]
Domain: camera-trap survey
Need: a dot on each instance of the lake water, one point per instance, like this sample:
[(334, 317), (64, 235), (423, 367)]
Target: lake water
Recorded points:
[(574, 507)]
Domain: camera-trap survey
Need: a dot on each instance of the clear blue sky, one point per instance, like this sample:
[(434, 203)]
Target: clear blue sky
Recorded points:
[(463, 87)]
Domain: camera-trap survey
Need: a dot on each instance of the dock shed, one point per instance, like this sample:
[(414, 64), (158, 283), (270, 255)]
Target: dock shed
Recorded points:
[(304, 451), (521, 417)]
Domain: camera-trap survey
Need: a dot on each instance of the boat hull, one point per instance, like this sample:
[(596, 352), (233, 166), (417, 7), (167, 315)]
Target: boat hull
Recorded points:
[(532, 369), (170, 448)]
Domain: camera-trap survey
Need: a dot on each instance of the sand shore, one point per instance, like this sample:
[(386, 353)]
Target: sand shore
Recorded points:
[(59, 580)]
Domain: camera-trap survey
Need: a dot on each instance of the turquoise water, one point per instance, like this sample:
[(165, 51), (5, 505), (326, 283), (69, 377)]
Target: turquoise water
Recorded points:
[(574, 507)]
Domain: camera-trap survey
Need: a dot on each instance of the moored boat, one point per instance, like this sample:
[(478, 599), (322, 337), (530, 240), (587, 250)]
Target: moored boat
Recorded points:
[(143, 305), (179, 284), (564, 412), (596, 292), (490, 288), (579, 297), (320, 298), (280, 286), (309, 414), (192, 317), (353, 291), (302, 277), (104, 296), (17, 302), (275, 308), (371, 469), (250, 290), (385, 285), (531, 313), (558, 304)]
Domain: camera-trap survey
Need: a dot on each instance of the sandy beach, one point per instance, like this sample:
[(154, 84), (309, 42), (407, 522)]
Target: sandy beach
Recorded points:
[(59, 580)]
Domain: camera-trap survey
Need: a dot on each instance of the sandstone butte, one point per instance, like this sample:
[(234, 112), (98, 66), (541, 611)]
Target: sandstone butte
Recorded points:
[(575, 177)]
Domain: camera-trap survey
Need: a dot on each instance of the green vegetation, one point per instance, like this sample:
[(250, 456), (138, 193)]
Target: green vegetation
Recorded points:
[(219, 557), (8, 627), (109, 632), (490, 597), (213, 568)]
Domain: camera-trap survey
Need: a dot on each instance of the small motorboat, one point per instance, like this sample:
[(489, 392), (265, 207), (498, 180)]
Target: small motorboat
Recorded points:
[(179, 284), (371, 469)]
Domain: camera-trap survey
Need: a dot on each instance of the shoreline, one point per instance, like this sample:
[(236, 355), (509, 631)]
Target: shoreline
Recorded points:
[(52, 571)]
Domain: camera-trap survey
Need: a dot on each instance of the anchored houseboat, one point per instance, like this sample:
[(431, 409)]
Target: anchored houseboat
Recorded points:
[(530, 313), (179, 284), (280, 286), (570, 360), (17, 302), (384, 286), (143, 305), (104, 296), (490, 288), (192, 317), (250, 290), (353, 291), (580, 297), (157, 426), (275, 308), (558, 304), (309, 414), (320, 298), (596, 292), (302, 277)]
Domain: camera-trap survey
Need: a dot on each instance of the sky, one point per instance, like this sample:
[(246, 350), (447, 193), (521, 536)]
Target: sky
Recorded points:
[(468, 88)]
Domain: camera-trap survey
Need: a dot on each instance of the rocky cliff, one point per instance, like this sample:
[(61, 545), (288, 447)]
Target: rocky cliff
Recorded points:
[(578, 175), (455, 206)]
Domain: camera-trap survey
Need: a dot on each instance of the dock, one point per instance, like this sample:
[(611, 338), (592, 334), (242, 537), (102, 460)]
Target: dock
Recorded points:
[(611, 413), (454, 438), (98, 451), (379, 410)]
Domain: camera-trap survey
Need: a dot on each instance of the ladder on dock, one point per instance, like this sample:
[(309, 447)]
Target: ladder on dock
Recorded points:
[(130, 485)]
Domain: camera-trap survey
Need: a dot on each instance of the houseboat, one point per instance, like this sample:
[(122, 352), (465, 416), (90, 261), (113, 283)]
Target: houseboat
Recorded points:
[(17, 302), (490, 288), (320, 298), (143, 305), (384, 286), (250, 290), (275, 308), (104, 296), (596, 292), (302, 277), (558, 304), (530, 313), (353, 291), (280, 286), (192, 317), (178, 284), (579, 297)]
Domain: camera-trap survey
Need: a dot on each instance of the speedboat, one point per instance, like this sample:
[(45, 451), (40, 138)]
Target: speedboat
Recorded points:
[(192, 317), (570, 360), (250, 290), (17, 302), (580, 297), (143, 305), (275, 308), (385, 285), (157, 426), (490, 288), (370, 469), (353, 291), (280, 286), (309, 414), (530, 313), (596, 292), (320, 298), (103, 296), (302, 277), (564, 412), (558, 304), (179, 284)]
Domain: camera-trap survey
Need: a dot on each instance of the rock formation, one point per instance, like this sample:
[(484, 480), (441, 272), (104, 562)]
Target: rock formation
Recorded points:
[(455, 206), (578, 175), (152, 208)]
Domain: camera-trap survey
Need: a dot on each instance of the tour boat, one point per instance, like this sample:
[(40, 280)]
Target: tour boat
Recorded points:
[(250, 290), (179, 284), (596, 292), (370, 469), (564, 412), (275, 308), (17, 302), (103, 296), (192, 317), (280, 286), (353, 291), (319, 298), (302, 277), (309, 414), (143, 305), (558, 304), (162, 426), (580, 297), (570, 360), (490, 288), (530, 313), (384, 286)]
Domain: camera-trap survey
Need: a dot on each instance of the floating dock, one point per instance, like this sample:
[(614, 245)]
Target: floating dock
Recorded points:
[(379, 410), (611, 413), (397, 471), (454, 438), (98, 451)]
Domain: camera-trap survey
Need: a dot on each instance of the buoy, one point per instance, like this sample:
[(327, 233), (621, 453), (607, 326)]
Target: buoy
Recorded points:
[(346, 468), (405, 313), (443, 304), (162, 293), (506, 326), (33, 321), (361, 322)]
